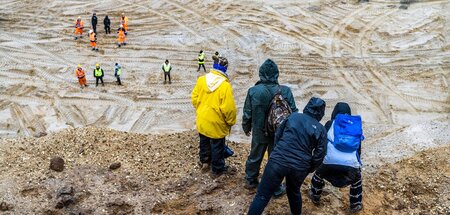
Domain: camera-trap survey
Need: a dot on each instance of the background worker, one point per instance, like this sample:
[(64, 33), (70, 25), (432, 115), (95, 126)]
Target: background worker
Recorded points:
[(215, 57), (93, 39), (201, 61), (107, 24), (98, 74), (124, 22), (94, 22), (121, 36), (79, 25), (118, 72), (166, 67), (81, 75)]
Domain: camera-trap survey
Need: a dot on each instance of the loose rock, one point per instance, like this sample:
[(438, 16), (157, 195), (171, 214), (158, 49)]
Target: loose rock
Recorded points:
[(115, 166), (57, 164)]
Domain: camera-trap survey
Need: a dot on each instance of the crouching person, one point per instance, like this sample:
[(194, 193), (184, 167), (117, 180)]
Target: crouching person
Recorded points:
[(215, 109), (300, 145), (341, 165)]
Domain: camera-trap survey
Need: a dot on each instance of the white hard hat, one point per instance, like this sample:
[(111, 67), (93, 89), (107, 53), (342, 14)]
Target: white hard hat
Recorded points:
[(121, 26), (90, 31)]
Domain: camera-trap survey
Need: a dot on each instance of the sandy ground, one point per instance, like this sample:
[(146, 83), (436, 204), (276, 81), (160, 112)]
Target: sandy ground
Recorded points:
[(391, 65)]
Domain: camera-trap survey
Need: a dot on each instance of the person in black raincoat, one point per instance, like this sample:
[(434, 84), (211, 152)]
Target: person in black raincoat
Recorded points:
[(300, 145), (107, 24), (341, 169), (254, 117), (94, 22)]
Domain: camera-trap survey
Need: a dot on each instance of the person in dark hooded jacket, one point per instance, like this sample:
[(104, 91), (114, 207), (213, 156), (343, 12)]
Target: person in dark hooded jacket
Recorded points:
[(107, 24), (94, 22), (339, 168), (254, 117), (300, 145)]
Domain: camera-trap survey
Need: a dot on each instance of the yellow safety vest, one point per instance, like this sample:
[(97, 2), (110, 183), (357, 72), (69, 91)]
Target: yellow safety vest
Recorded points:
[(98, 72), (166, 67), (201, 58)]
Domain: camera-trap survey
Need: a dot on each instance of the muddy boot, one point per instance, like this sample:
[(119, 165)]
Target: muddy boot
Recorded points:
[(356, 208), (119, 45), (280, 192), (251, 185), (205, 167), (76, 38), (96, 50), (165, 82), (315, 200), (170, 82), (93, 49), (228, 171)]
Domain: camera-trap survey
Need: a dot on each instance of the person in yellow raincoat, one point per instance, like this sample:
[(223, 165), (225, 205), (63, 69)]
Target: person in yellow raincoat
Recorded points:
[(213, 101)]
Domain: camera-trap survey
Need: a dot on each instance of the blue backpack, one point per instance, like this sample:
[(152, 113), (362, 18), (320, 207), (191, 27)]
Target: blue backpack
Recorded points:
[(347, 132)]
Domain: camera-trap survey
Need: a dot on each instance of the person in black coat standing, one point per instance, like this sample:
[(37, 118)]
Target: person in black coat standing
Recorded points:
[(94, 22), (107, 24)]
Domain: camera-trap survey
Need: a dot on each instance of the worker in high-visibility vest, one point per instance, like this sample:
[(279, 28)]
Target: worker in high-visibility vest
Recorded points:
[(117, 73), (79, 25), (121, 36), (98, 74), (124, 22), (93, 39), (166, 67), (201, 61), (81, 75)]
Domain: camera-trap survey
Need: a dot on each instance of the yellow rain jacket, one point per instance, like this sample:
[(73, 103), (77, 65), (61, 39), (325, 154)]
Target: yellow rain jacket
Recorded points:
[(214, 105)]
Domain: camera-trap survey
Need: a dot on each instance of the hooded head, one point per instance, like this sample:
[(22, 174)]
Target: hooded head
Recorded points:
[(341, 108), (268, 72), (221, 65), (167, 61), (315, 108), (117, 65)]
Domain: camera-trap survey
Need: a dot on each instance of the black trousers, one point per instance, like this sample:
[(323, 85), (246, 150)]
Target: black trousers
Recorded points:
[(118, 79), (107, 29), (99, 78), (200, 66), (211, 151), (167, 74), (338, 176), (94, 27)]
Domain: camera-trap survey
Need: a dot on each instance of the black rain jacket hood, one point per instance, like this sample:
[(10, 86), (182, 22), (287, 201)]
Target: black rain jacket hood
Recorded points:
[(315, 108), (340, 108)]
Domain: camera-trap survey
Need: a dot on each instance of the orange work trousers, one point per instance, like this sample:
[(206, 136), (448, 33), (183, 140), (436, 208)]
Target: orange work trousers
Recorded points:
[(82, 81)]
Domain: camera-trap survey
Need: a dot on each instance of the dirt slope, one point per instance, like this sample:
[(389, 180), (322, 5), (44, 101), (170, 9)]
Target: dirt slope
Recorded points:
[(160, 175)]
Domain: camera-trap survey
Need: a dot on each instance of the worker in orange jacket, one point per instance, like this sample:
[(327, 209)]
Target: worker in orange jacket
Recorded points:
[(124, 22), (121, 34), (79, 25), (93, 39), (81, 75)]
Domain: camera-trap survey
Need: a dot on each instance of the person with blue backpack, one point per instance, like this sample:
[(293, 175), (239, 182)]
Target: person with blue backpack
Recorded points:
[(342, 164)]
